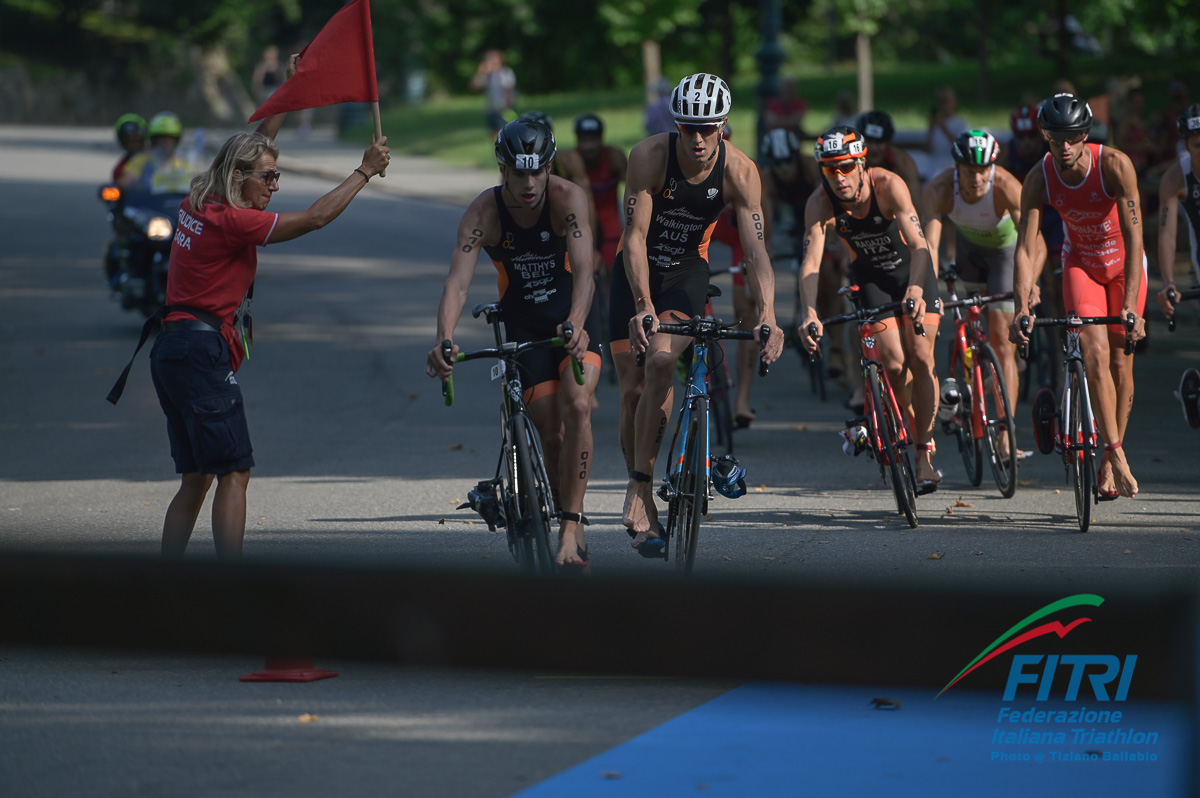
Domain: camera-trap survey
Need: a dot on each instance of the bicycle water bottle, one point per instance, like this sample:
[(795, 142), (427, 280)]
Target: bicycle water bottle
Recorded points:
[(948, 406)]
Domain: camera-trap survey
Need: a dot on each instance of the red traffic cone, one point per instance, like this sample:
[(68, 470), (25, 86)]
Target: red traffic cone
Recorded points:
[(282, 669)]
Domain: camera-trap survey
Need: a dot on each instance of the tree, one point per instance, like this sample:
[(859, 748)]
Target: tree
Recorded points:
[(647, 22)]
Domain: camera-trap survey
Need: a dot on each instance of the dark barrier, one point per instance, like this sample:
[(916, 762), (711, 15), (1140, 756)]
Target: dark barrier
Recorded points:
[(811, 632)]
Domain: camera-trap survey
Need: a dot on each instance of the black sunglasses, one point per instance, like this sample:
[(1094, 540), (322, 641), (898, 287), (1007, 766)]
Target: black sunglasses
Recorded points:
[(704, 130), (269, 175)]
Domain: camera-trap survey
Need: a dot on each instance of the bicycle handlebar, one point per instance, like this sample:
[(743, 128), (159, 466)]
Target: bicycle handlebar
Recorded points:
[(506, 352), (1177, 297), (1075, 321), (977, 300), (710, 330), (866, 314)]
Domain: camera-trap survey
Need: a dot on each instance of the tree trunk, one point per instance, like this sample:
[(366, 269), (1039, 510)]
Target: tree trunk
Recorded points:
[(866, 77), (652, 68)]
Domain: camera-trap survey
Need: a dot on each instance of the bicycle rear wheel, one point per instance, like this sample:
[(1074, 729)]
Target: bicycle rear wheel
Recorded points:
[(1082, 452), (969, 448), (893, 451), (997, 413), (533, 498), (691, 499)]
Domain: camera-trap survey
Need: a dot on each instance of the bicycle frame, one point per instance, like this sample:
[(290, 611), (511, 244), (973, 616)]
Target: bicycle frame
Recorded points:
[(1063, 444), (968, 336), (696, 386), (869, 357)]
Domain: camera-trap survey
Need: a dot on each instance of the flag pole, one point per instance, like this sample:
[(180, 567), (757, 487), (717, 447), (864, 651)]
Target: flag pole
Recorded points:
[(378, 129)]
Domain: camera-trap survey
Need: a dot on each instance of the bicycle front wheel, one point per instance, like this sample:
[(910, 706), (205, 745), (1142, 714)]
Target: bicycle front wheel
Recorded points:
[(533, 498), (998, 417), (969, 447), (1082, 450), (692, 498), (893, 450), (720, 393)]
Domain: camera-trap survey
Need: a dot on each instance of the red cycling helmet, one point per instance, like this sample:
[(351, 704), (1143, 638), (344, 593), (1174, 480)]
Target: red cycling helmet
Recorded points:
[(1024, 121)]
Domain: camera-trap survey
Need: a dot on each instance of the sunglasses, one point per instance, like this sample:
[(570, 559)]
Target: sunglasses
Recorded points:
[(1065, 136), (704, 130), (269, 175), (843, 168)]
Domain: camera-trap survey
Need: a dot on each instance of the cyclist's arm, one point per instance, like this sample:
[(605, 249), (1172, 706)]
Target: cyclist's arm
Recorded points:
[(935, 201), (572, 203), (741, 176), (647, 168), (1027, 262), (817, 213), (479, 226), (1119, 173), (768, 205), (1170, 191), (574, 169)]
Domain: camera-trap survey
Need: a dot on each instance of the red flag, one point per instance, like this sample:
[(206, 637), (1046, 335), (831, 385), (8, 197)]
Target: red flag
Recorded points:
[(337, 66)]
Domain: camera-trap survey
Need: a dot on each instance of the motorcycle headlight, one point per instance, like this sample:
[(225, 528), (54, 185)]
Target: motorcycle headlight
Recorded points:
[(158, 228)]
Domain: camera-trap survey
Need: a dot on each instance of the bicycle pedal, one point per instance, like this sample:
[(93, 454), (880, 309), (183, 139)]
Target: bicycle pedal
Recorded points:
[(665, 493)]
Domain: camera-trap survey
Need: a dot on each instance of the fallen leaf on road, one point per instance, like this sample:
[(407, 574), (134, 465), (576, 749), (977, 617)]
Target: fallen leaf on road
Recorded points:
[(978, 553), (799, 427), (412, 396), (1127, 551), (937, 555), (441, 521), (769, 559), (727, 558), (307, 718), (761, 487), (456, 447), (960, 503), (1057, 491), (1024, 483), (949, 511), (824, 541)]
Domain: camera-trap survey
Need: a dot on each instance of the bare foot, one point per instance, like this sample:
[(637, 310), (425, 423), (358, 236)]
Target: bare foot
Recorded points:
[(635, 514), (925, 470), (642, 537), (1104, 478), (570, 544), (1126, 485)]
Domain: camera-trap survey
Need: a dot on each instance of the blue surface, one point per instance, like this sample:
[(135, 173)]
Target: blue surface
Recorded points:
[(787, 740)]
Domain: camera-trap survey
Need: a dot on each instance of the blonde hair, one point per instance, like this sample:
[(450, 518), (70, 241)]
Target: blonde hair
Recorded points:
[(223, 179)]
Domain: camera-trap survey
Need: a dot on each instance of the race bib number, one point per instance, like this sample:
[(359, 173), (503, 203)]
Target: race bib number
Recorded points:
[(833, 143), (856, 147), (977, 141), (874, 132), (497, 371), (528, 162)]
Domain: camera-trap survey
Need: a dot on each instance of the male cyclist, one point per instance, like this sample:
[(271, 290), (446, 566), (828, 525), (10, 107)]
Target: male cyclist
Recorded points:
[(605, 167), (1104, 267), (131, 135), (984, 202), (535, 229), (678, 184), (878, 129), (1180, 188), (873, 213)]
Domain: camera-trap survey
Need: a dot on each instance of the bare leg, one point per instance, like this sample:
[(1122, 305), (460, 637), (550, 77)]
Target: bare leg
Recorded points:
[(574, 463), (182, 513), (229, 514), (1110, 405), (1006, 352), (909, 361)]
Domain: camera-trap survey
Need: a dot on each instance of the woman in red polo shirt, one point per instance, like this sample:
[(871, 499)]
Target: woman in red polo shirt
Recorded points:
[(206, 330)]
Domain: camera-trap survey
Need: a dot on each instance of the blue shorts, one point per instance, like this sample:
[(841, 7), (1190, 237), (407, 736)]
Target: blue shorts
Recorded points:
[(206, 418)]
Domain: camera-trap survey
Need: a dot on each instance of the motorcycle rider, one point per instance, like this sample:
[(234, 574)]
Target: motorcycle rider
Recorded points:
[(131, 135), (159, 170)]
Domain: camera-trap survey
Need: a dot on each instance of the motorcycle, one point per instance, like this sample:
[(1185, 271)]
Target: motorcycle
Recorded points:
[(136, 260)]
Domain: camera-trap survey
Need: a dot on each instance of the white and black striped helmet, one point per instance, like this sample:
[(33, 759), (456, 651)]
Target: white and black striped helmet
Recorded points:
[(701, 98)]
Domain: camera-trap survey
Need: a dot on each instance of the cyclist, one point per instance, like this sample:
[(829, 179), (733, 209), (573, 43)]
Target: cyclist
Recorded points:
[(605, 167), (1180, 189), (535, 229), (984, 202), (873, 213), (160, 169), (678, 184), (878, 129), (1104, 266)]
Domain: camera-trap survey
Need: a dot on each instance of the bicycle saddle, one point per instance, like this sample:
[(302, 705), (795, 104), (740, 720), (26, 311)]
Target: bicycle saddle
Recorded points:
[(490, 308)]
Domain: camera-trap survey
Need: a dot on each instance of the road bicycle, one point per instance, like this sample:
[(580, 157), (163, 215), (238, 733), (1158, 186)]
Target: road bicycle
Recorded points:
[(689, 472), (722, 388), (1071, 429), (881, 430), (983, 409), (519, 497)]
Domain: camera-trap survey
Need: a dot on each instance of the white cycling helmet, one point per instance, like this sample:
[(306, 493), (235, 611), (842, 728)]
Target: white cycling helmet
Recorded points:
[(701, 98)]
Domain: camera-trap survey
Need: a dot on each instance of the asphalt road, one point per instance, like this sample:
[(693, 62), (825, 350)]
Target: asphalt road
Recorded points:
[(358, 461)]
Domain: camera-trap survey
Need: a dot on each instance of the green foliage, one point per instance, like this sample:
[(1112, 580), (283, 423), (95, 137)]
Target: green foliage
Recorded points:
[(630, 22)]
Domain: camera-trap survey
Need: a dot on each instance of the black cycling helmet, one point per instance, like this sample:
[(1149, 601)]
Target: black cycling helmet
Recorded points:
[(876, 125), (1065, 113), (779, 146), (839, 143), (975, 148), (538, 116), (525, 144), (589, 123), (1189, 121)]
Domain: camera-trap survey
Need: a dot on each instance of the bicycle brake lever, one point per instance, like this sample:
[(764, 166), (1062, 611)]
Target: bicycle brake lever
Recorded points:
[(1173, 298), (1130, 323), (764, 332), (1023, 349), (918, 327), (448, 384), (647, 323), (815, 355)]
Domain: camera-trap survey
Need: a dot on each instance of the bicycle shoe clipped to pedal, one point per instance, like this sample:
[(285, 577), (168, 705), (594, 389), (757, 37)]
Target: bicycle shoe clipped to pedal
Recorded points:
[(1045, 420), (729, 477), (482, 499)]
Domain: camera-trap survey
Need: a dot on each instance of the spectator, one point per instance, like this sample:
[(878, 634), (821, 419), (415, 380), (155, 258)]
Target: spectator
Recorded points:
[(945, 125), (1132, 138), (268, 74), (658, 112), (498, 83)]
